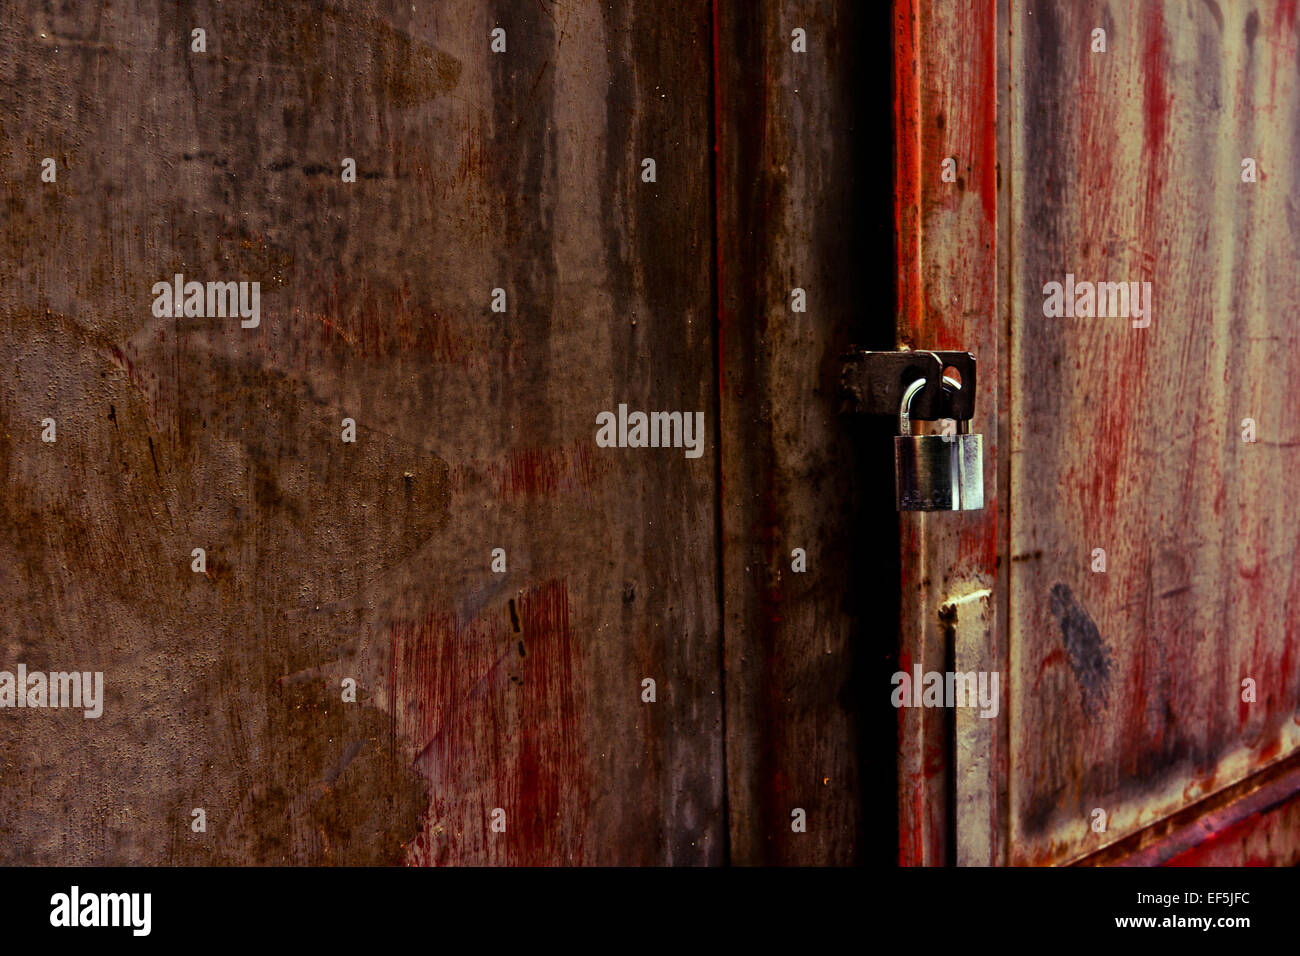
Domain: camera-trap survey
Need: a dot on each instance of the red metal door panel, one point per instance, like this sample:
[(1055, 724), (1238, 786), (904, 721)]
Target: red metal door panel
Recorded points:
[(1145, 143), (1127, 165)]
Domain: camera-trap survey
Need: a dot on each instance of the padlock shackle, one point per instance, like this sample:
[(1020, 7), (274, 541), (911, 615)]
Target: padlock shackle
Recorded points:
[(905, 407)]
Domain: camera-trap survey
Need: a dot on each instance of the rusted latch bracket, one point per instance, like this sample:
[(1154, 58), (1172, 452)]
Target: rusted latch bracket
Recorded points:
[(874, 383), (943, 472)]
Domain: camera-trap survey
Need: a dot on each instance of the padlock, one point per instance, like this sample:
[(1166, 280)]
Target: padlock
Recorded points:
[(936, 472)]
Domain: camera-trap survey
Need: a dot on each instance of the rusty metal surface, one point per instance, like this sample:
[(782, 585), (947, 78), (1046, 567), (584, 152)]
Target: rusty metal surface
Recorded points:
[(475, 430), (875, 382), (1250, 823), (1127, 165)]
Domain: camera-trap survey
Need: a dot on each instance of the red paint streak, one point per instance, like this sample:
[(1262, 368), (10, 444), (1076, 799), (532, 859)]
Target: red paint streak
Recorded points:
[(1155, 97), (1286, 671), (1284, 16), (542, 471), (439, 666), (548, 472), (910, 850), (1113, 431), (1136, 739), (551, 769), (493, 727), (986, 148), (977, 547), (1216, 848), (907, 172), (1057, 657)]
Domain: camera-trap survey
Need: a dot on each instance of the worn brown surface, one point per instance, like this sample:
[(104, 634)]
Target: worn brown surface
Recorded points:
[(475, 431), (1126, 689), (798, 643)]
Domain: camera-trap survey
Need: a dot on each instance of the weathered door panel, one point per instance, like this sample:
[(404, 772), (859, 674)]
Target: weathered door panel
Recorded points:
[(1123, 688), (476, 170), (1127, 165), (787, 197)]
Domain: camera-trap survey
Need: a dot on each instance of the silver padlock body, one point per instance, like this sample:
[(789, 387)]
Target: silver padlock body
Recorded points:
[(938, 472)]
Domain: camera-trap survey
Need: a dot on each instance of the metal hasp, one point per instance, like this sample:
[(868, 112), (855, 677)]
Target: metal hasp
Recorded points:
[(943, 472), (874, 383)]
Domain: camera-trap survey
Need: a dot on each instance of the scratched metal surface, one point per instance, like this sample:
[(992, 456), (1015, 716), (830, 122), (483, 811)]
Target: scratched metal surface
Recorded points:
[(519, 691), (1126, 691)]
